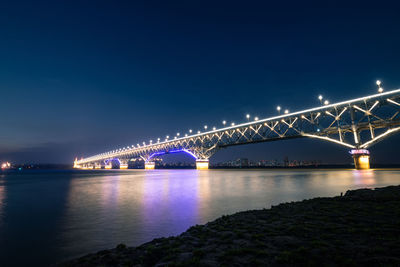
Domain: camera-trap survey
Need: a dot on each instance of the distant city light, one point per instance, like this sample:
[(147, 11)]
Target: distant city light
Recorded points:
[(5, 165)]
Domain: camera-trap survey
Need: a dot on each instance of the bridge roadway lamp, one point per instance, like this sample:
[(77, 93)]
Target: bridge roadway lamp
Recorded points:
[(256, 118), (380, 89), (320, 97), (286, 111), (278, 108), (205, 127), (248, 117), (190, 131), (224, 122), (326, 102)]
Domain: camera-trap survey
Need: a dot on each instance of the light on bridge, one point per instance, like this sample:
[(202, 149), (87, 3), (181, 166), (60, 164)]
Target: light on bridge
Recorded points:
[(286, 111), (326, 102), (224, 122)]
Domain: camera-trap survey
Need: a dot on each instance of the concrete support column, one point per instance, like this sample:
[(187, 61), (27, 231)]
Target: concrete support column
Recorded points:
[(149, 165), (202, 164), (361, 158), (108, 166), (123, 165)]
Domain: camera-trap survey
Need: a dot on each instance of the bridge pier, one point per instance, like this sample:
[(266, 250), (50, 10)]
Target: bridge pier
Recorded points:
[(361, 158), (108, 166), (202, 164), (149, 165), (123, 164)]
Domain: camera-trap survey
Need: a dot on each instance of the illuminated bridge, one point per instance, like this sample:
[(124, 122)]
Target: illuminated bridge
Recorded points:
[(357, 124)]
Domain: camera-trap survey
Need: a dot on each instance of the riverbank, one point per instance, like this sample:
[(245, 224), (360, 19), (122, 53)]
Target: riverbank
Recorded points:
[(362, 227)]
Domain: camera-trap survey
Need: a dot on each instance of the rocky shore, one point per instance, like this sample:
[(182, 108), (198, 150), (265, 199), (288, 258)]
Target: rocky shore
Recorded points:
[(360, 228)]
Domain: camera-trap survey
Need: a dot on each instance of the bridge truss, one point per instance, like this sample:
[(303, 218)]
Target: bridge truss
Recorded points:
[(357, 124)]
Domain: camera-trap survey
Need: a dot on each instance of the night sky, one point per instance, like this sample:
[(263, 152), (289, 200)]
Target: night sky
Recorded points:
[(79, 78)]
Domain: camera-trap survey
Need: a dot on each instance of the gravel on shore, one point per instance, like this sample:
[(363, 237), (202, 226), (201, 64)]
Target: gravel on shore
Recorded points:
[(360, 228)]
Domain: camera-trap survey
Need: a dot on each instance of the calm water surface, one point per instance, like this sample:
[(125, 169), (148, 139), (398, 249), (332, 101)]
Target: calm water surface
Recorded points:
[(50, 216)]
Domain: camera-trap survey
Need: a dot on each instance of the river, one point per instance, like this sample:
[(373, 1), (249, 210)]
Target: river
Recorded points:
[(49, 216)]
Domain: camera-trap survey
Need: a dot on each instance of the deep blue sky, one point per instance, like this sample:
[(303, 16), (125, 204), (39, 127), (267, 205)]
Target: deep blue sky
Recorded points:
[(79, 77)]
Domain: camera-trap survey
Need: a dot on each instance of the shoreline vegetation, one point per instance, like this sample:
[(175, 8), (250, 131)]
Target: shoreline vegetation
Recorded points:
[(361, 227)]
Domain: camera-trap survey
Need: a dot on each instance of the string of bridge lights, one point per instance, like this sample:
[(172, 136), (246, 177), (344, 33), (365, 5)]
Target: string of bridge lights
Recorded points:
[(224, 122)]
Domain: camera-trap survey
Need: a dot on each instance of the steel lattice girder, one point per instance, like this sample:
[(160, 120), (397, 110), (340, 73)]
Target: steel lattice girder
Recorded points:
[(357, 123)]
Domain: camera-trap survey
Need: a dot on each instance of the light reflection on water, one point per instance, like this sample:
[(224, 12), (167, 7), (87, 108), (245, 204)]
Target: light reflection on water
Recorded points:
[(67, 214)]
